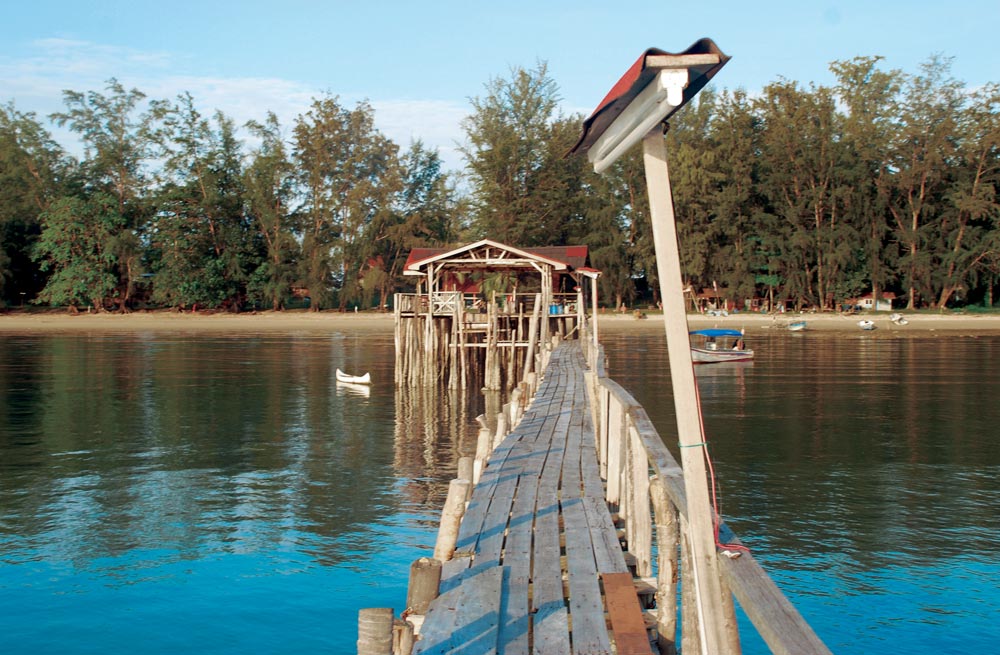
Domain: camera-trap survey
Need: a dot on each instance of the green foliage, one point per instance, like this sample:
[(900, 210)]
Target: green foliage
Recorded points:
[(78, 246), (813, 194), (199, 235), (118, 143), (426, 213), (524, 191), (31, 166), (349, 172), (269, 186)]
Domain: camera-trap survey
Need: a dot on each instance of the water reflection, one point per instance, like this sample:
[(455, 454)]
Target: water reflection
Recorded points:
[(109, 444), (435, 426)]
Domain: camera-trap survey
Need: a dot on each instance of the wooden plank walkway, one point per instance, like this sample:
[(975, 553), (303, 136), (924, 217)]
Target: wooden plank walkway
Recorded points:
[(536, 539)]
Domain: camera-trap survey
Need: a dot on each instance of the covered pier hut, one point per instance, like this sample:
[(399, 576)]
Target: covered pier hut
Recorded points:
[(483, 311)]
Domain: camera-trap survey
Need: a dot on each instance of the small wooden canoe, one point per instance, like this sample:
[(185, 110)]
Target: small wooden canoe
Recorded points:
[(354, 379)]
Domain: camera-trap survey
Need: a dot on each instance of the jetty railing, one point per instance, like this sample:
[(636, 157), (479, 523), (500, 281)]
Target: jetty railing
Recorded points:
[(645, 485)]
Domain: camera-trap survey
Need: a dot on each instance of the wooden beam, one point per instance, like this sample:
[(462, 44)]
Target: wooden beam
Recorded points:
[(708, 587)]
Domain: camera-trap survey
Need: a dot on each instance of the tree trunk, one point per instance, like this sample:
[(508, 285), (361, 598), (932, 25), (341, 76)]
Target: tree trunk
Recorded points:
[(946, 293)]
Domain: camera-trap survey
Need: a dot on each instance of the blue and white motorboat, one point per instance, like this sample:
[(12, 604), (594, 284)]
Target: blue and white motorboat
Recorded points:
[(718, 345)]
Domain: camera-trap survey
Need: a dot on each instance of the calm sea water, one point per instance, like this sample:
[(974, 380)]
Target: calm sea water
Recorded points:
[(222, 494), (864, 473)]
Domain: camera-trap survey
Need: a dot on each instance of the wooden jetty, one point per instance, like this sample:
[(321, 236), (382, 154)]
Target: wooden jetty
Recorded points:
[(547, 538), (555, 549)]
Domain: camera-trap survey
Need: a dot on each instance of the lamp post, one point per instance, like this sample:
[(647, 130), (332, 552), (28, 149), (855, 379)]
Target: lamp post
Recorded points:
[(656, 86)]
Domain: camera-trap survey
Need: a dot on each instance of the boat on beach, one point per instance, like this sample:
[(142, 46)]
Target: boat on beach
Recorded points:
[(718, 345), (797, 326), (354, 379), (866, 325)]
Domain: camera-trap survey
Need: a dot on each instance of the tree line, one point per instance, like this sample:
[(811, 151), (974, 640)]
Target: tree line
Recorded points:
[(809, 195)]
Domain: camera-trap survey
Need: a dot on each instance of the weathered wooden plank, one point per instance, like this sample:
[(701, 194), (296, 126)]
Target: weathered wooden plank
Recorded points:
[(550, 618), (604, 539), (627, 624), (494, 529), (471, 529), (776, 619), (516, 610), (466, 618), (586, 609)]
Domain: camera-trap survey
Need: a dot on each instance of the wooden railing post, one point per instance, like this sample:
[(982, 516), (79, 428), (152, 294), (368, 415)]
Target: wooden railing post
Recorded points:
[(666, 567), (616, 425), (640, 538)]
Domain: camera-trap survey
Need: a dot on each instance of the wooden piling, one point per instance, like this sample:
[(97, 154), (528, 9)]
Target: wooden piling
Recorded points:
[(685, 390), (451, 519), (425, 580), (691, 626), (484, 445), (402, 637), (466, 471), (501, 426), (375, 627)]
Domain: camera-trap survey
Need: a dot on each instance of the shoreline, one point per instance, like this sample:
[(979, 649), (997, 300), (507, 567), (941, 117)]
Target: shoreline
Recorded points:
[(270, 321)]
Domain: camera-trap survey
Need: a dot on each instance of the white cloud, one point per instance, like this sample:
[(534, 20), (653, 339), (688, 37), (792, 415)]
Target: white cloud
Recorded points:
[(36, 83), (438, 123)]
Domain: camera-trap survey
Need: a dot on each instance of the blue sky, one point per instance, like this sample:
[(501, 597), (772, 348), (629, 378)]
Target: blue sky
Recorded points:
[(418, 63)]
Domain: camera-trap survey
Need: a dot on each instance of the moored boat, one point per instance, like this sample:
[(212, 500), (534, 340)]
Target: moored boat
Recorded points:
[(719, 345), (354, 379), (866, 325), (797, 326)]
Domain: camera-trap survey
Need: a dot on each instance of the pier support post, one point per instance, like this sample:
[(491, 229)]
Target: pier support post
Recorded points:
[(501, 426), (375, 631), (484, 445), (425, 579), (402, 638), (466, 471), (451, 519)]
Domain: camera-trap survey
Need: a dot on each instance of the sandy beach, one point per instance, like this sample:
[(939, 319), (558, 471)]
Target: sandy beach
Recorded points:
[(59, 321)]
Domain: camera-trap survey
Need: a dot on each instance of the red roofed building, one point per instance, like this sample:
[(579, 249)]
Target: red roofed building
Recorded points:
[(484, 296), (464, 268)]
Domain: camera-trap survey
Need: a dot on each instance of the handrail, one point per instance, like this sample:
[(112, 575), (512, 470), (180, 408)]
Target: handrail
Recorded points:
[(627, 439)]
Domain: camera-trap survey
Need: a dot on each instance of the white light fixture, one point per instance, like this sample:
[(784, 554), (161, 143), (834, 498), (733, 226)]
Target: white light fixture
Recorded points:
[(646, 111)]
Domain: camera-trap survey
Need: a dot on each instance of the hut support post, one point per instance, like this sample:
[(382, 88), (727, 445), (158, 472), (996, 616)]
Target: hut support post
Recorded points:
[(704, 564), (593, 314)]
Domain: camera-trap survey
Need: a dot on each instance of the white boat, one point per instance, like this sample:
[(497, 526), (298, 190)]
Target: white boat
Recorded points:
[(354, 379), (797, 326), (866, 325), (898, 319), (719, 345)]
